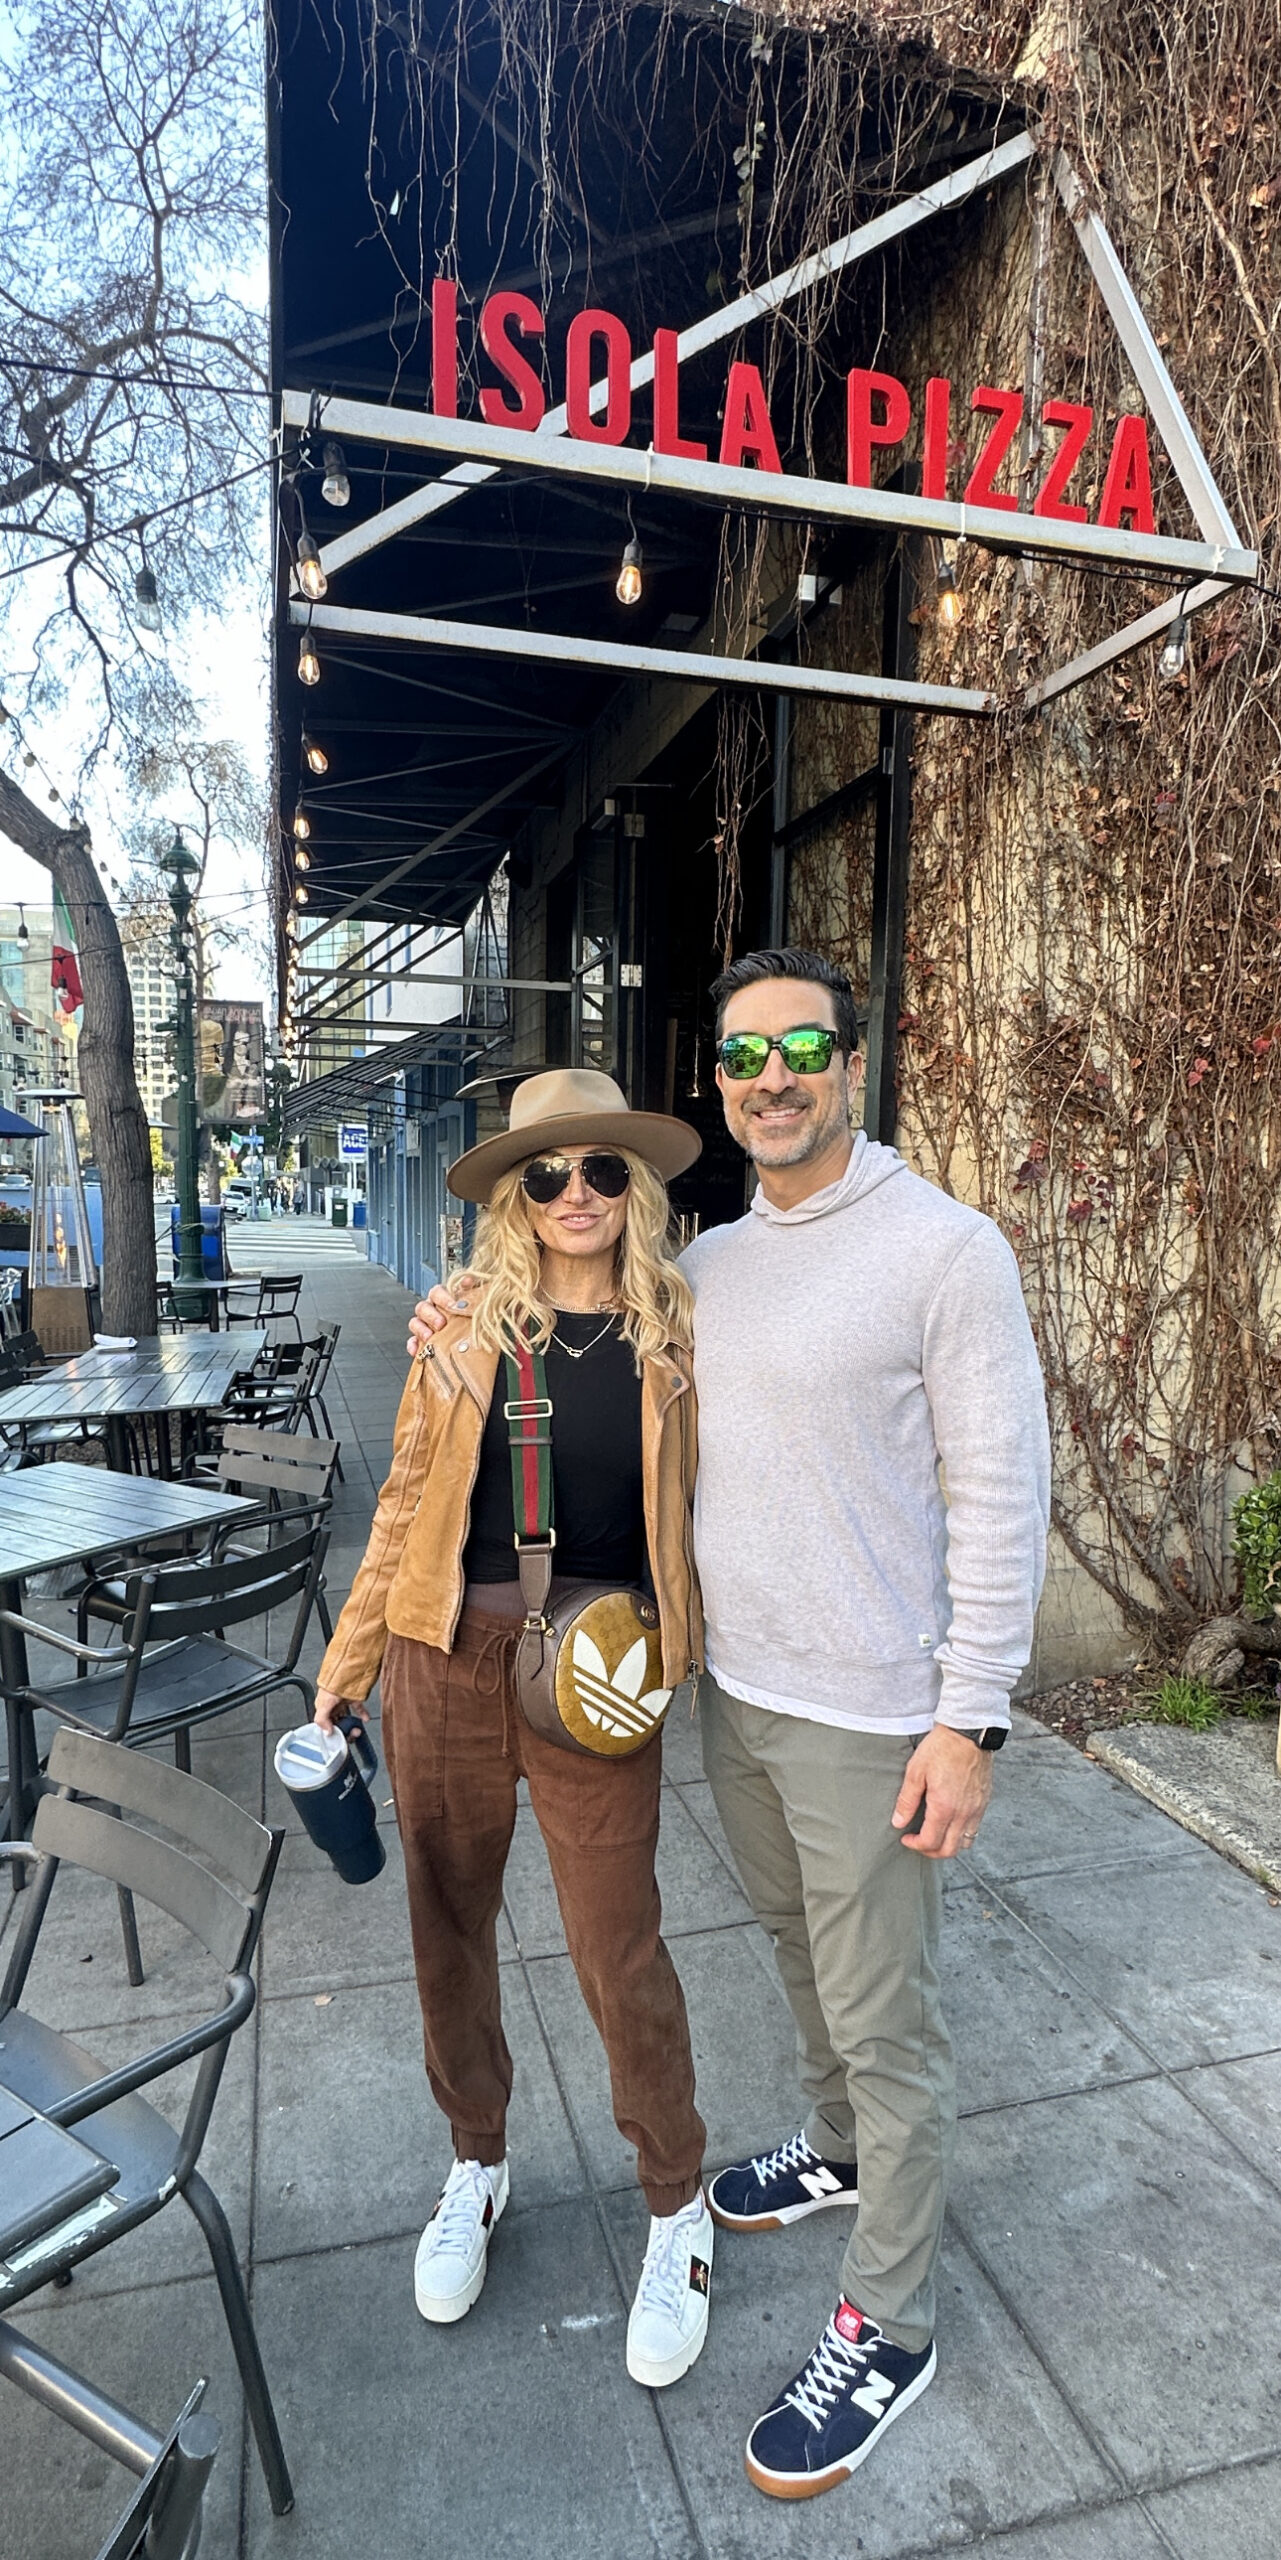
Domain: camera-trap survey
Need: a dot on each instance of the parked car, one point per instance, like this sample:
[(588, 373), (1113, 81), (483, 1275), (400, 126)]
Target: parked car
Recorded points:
[(238, 1198)]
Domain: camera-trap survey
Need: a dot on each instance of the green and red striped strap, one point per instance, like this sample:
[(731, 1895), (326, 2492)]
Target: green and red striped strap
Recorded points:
[(528, 1412)]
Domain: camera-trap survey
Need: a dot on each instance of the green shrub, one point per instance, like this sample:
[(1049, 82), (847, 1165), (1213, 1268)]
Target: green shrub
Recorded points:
[(1180, 1700), (1256, 1519)]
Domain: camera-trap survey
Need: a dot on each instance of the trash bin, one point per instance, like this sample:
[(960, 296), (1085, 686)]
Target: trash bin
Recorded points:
[(213, 1239), (338, 1213), (359, 1215)]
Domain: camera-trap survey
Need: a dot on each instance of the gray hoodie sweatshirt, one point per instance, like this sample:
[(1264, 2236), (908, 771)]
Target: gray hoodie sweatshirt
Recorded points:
[(852, 1356)]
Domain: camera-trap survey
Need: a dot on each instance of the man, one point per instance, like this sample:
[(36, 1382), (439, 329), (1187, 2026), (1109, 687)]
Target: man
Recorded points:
[(860, 1340)]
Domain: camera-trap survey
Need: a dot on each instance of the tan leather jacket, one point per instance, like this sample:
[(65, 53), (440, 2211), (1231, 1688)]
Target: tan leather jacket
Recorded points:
[(410, 1582)]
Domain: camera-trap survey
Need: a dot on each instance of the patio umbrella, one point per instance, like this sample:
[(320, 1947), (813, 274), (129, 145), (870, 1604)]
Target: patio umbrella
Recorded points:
[(12, 1125)]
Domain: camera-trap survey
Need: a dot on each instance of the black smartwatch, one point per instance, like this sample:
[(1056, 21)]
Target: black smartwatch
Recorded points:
[(987, 1737)]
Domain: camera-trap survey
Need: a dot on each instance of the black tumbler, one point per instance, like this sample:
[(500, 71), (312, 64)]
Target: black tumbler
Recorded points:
[(320, 1772)]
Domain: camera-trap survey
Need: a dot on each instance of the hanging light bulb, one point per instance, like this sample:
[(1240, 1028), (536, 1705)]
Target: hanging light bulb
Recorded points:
[(335, 488), (28, 757), (630, 583), (147, 599), (314, 755), (300, 895), (1174, 656), (302, 824), (311, 576), (24, 936), (951, 605), (291, 928), (308, 660), (302, 859)]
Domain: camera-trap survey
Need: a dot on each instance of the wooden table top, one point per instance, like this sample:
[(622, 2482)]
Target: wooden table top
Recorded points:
[(63, 1514), (167, 1373)]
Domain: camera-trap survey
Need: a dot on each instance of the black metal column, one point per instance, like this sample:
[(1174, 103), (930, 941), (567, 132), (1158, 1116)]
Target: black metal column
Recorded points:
[(890, 854)]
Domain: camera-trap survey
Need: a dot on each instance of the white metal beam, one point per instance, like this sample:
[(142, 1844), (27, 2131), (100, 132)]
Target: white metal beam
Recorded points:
[(1195, 476), (621, 657), (1120, 643), (693, 341), (778, 493)]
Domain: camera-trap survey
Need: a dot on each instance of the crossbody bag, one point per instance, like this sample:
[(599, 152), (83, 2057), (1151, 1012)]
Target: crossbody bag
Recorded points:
[(589, 1665)]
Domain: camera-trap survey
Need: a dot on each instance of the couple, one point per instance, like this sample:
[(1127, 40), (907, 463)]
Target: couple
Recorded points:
[(855, 1341)]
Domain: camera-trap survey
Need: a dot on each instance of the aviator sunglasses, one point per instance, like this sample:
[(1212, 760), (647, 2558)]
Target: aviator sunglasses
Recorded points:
[(807, 1051), (547, 1176)]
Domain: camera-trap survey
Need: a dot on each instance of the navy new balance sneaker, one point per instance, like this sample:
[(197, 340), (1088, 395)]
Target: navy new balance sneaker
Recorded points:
[(855, 2384), (782, 2186)]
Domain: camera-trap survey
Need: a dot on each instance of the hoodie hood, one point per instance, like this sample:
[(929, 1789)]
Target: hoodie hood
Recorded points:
[(870, 1165)]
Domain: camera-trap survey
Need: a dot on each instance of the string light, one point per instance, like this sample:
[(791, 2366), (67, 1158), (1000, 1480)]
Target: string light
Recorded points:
[(24, 936), (630, 584), (302, 824), (147, 599), (302, 859), (308, 660), (311, 575), (1174, 656), (335, 488), (300, 895), (950, 603), (314, 755)]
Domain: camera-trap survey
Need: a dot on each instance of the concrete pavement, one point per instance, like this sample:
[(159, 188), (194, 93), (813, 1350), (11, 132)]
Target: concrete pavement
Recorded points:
[(1110, 2329)]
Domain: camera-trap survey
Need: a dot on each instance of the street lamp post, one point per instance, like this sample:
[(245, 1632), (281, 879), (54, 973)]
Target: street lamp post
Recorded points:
[(180, 868)]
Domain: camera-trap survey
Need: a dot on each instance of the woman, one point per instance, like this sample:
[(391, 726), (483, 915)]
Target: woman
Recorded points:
[(571, 1256)]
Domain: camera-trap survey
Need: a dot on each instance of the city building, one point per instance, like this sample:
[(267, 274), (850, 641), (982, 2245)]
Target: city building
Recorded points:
[(771, 532), (149, 965)]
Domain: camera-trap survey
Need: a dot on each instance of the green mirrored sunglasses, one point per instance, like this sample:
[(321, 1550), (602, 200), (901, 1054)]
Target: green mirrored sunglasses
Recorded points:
[(807, 1051)]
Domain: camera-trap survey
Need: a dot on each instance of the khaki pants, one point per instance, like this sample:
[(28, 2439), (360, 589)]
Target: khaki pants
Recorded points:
[(854, 1919), (456, 1743)]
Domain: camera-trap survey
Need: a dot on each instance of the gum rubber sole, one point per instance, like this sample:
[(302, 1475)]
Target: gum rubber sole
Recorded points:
[(777, 2221), (790, 2484)]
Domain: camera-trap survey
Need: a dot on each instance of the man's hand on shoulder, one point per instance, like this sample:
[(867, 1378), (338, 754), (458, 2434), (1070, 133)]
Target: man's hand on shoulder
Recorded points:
[(435, 1310), (952, 1779)]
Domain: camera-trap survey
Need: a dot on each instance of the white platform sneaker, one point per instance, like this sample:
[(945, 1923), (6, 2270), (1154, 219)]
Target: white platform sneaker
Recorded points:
[(669, 2315), (449, 2266)]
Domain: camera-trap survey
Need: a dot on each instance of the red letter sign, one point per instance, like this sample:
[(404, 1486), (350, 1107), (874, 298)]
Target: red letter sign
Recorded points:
[(444, 347), (1127, 490), (747, 428), (514, 368), (667, 427), (938, 406), (862, 430), (584, 329), (1007, 407), (1049, 497)]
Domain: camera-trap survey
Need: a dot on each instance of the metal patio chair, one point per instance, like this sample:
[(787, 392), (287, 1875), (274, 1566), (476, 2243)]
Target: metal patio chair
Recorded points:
[(108, 1818), (276, 1303)]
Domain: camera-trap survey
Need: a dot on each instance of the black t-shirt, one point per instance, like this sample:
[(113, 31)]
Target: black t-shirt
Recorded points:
[(599, 1512)]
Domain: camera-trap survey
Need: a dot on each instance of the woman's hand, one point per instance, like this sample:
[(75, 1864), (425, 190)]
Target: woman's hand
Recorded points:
[(329, 1706), (436, 1309)]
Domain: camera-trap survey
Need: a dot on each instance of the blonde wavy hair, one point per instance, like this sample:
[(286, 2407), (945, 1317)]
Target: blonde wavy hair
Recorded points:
[(656, 1301)]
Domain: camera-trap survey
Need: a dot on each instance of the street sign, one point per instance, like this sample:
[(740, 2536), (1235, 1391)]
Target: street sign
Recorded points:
[(353, 1140)]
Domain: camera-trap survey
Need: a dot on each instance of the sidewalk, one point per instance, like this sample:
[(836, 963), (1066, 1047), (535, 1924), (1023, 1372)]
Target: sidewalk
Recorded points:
[(1110, 2329)]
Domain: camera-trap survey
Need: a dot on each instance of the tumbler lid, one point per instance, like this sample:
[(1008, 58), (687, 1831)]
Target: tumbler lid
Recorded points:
[(307, 1756)]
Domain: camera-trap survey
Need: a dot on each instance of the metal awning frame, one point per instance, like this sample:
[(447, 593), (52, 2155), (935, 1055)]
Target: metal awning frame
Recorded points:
[(1206, 570)]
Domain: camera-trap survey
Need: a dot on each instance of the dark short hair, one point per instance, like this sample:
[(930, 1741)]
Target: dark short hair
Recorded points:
[(809, 967)]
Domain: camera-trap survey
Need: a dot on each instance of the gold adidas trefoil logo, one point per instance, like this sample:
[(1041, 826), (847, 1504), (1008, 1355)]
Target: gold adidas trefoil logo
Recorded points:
[(616, 1706)]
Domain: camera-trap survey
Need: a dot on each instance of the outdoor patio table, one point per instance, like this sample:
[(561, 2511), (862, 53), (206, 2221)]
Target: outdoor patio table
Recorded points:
[(182, 1373), (64, 1514)]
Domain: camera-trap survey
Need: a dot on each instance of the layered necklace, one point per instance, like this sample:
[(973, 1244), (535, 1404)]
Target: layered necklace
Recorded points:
[(580, 1351)]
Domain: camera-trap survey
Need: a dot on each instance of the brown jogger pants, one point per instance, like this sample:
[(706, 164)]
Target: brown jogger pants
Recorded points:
[(456, 1743)]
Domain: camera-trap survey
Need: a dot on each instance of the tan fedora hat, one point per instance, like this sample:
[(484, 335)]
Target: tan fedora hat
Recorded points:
[(573, 1107)]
